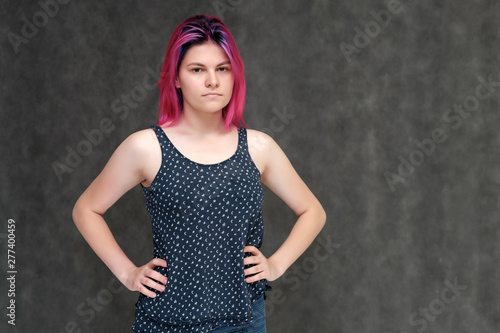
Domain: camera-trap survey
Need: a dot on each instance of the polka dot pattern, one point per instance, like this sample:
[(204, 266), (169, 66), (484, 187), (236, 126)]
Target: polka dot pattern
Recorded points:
[(202, 216)]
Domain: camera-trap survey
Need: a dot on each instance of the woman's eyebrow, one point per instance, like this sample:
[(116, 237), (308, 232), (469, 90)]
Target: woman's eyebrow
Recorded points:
[(196, 64), (202, 65)]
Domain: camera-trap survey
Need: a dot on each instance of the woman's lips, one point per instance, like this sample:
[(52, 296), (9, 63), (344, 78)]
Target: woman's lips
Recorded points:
[(212, 95)]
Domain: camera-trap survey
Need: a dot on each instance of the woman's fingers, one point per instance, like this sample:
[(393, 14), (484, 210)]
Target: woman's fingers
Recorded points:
[(251, 249), (152, 274), (258, 260), (253, 260), (257, 277), (256, 257), (158, 277), (146, 277), (253, 270), (262, 267), (143, 290), (157, 262), (152, 284)]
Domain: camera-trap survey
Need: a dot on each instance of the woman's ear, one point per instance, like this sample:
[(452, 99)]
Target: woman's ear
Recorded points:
[(177, 83)]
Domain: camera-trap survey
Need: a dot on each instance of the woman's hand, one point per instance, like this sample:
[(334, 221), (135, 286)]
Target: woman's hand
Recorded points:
[(140, 277), (264, 268)]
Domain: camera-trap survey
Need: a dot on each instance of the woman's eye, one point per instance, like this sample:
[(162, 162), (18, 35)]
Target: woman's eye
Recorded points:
[(223, 69), (196, 70)]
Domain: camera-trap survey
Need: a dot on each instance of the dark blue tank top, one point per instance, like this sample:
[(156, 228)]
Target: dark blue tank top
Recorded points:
[(202, 216)]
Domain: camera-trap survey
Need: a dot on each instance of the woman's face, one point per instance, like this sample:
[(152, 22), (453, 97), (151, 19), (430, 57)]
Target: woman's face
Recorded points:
[(205, 78)]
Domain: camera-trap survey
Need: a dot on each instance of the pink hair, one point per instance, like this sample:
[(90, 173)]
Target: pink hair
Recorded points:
[(192, 31)]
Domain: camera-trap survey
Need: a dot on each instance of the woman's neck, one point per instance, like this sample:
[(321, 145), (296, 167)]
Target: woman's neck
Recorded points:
[(201, 123)]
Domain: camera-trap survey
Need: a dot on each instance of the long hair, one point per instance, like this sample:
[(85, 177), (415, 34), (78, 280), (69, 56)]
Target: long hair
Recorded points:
[(192, 31)]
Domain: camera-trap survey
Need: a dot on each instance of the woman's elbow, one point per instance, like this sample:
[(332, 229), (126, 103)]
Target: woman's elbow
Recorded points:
[(319, 214), (77, 212)]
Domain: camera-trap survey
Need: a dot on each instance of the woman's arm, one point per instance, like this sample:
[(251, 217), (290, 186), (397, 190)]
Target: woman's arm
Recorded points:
[(278, 174), (125, 169)]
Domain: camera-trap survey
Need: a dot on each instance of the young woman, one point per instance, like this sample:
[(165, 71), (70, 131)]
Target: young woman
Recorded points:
[(201, 172)]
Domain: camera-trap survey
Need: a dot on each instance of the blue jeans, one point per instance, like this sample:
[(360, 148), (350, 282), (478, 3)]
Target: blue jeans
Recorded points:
[(258, 324)]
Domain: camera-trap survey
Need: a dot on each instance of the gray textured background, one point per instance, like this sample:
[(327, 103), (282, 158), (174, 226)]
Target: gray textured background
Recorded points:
[(392, 251)]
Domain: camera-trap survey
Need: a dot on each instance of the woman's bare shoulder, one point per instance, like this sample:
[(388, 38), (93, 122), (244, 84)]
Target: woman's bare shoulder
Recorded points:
[(141, 141), (140, 152), (262, 148), (258, 140)]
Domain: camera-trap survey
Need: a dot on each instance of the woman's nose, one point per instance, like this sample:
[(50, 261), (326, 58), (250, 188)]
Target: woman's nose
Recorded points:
[(212, 80)]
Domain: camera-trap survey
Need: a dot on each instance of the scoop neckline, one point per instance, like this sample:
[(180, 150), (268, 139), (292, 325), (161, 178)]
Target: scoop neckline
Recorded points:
[(198, 163)]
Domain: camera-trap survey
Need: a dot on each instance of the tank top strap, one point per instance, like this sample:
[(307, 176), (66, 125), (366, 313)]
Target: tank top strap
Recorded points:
[(160, 134), (243, 145), (242, 140)]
